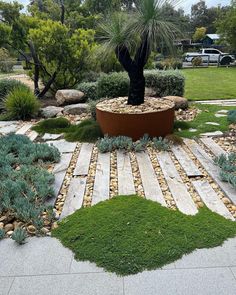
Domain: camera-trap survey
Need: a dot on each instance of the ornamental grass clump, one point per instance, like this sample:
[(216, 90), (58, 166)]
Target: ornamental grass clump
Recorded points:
[(232, 116), (227, 164), (25, 183), (21, 104), (19, 235)]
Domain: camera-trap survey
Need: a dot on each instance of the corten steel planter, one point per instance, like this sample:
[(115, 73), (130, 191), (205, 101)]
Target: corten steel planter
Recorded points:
[(155, 124)]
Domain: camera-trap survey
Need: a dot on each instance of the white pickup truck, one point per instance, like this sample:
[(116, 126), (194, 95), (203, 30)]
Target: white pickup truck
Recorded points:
[(211, 55)]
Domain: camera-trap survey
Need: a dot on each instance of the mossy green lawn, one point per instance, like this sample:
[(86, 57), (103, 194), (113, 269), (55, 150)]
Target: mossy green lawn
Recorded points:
[(86, 131), (207, 115), (129, 234), (210, 83)]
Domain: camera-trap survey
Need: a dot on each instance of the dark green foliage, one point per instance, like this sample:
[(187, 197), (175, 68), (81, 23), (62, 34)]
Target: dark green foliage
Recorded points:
[(227, 163), (86, 131), (57, 125), (113, 85), (232, 116), (165, 82), (89, 89), (7, 86), (129, 234), (169, 63), (19, 235), (109, 144), (2, 233), (92, 107), (21, 104), (24, 183)]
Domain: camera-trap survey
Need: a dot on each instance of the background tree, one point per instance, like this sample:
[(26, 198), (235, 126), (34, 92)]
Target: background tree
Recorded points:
[(226, 26), (199, 34), (133, 37)]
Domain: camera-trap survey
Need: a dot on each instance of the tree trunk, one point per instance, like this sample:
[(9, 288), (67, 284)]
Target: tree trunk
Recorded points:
[(137, 87)]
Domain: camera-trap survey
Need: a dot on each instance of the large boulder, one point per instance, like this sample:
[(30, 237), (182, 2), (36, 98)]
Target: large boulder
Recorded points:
[(76, 109), (180, 102), (69, 96), (50, 111)]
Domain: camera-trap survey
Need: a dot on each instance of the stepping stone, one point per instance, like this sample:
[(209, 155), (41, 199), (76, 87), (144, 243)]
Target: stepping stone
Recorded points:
[(213, 170), (59, 172), (223, 112), (48, 136), (220, 115), (75, 195), (83, 162), (211, 199), (63, 145), (192, 130), (150, 183), (125, 175), (8, 129), (24, 128), (186, 162), (177, 188), (33, 135), (214, 133), (213, 146), (101, 189), (212, 123), (7, 123)]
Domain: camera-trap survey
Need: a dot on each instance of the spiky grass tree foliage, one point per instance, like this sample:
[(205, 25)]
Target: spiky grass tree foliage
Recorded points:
[(133, 36)]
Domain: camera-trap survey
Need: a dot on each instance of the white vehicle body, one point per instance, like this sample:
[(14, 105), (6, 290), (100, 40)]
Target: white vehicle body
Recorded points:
[(211, 55)]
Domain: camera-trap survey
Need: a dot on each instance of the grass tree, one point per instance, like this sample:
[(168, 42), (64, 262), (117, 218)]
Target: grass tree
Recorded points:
[(133, 36)]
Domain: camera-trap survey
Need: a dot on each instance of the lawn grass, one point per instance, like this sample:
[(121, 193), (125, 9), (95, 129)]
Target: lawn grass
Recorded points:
[(86, 131), (207, 115), (129, 234), (210, 83)]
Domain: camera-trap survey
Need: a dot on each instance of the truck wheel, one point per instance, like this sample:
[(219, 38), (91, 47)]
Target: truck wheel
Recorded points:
[(225, 61)]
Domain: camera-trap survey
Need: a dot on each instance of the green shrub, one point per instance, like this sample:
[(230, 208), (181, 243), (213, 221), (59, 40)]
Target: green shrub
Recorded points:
[(232, 116), (21, 104), (227, 164), (169, 63), (19, 235), (6, 61), (165, 83), (2, 233), (89, 89), (7, 86), (54, 126), (113, 85), (92, 107), (25, 190), (86, 131), (197, 61)]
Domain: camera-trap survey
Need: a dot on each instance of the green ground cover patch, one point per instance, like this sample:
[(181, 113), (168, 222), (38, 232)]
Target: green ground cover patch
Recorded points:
[(129, 234), (86, 131), (210, 83), (199, 123)]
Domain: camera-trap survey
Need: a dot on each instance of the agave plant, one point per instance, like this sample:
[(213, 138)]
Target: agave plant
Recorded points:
[(133, 36)]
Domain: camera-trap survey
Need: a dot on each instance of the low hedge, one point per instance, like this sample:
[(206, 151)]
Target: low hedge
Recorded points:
[(170, 82), (165, 83), (89, 89)]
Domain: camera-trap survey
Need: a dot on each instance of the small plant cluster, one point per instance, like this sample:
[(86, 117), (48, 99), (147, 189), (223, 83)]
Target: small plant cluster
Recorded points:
[(25, 184), (169, 63), (86, 131), (227, 163), (17, 100), (109, 144), (232, 116)]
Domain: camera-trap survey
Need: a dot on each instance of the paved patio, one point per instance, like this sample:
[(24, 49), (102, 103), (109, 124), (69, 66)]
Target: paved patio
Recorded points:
[(44, 266)]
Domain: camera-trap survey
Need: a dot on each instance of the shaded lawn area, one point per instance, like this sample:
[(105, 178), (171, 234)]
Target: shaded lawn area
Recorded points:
[(210, 83), (128, 234), (199, 123)]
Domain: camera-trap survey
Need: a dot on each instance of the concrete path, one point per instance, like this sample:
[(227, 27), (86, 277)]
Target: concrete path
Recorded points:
[(219, 102), (44, 266)]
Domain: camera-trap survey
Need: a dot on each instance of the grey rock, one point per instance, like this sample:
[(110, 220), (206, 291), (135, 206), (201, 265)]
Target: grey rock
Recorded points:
[(69, 96), (220, 115), (8, 129), (180, 102), (76, 109), (51, 111), (48, 136), (192, 130), (215, 133)]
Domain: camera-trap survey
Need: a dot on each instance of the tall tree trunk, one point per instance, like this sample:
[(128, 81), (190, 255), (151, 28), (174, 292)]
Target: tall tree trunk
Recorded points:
[(137, 87), (36, 67)]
